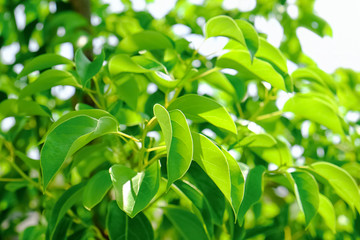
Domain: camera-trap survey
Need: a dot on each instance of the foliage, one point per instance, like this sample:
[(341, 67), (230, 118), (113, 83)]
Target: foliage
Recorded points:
[(139, 151)]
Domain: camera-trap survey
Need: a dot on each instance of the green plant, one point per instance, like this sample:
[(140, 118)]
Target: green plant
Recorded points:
[(138, 153)]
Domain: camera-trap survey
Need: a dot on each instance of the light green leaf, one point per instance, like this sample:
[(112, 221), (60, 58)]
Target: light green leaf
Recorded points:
[(146, 40), (307, 194), (186, 223), (224, 26), (327, 212), (127, 90), (178, 142), (62, 205), (85, 68), (49, 79), (341, 181), (19, 107), (258, 69), (253, 190), (200, 202), (68, 137), (258, 140), (237, 182), (272, 55), (213, 161), (96, 188), (122, 227), (42, 62), (200, 109), (124, 63), (315, 109), (219, 81), (278, 154), (134, 191), (251, 36)]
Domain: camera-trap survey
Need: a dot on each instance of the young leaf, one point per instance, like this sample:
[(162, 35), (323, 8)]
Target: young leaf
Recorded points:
[(120, 226), (278, 154), (200, 202), (258, 69), (62, 205), (341, 181), (272, 55), (307, 194), (133, 190), (186, 223), (200, 109), (96, 188), (85, 68), (127, 90), (49, 79), (257, 140), (253, 190), (251, 36), (19, 107), (178, 142), (218, 80), (314, 109), (42, 62), (213, 161), (67, 138), (146, 40), (327, 212), (224, 26)]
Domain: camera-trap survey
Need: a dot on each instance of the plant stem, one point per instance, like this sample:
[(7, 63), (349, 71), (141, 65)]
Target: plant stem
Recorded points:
[(215, 69), (156, 148), (11, 179), (127, 136), (269, 115)]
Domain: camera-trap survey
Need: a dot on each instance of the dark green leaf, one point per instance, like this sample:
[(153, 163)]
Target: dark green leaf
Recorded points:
[(96, 189), (18, 107), (85, 68)]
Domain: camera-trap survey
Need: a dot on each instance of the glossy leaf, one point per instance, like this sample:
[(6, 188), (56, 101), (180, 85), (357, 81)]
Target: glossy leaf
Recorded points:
[(258, 140), (42, 62), (127, 90), (186, 223), (314, 109), (258, 69), (307, 194), (85, 68), (214, 163), (327, 212), (272, 55), (122, 227), (19, 107), (253, 190), (96, 188), (278, 154), (133, 190), (251, 36), (68, 137), (219, 81), (49, 79), (341, 181), (178, 142), (146, 40), (200, 109), (62, 205), (224, 26), (124, 63)]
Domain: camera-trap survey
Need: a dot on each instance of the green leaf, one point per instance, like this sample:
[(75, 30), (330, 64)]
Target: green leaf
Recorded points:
[(307, 194), (200, 109), (237, 182), (178, 142), (258, 140), (219, 81), (146, 40), (31, 163), (272, 55), (42, 62), (68, 137), (200, 202), (341, 181), (315, 109), (327, 212), (85, 68), (49, 79), (224, 26), (258, 69), (133, 190), (69, 198), (213, 161), (253, 190), (124, 63), (186, 223), (251, 36), (96, 188), (122, 227), (127, 90), (19, 107), (278, 154)]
